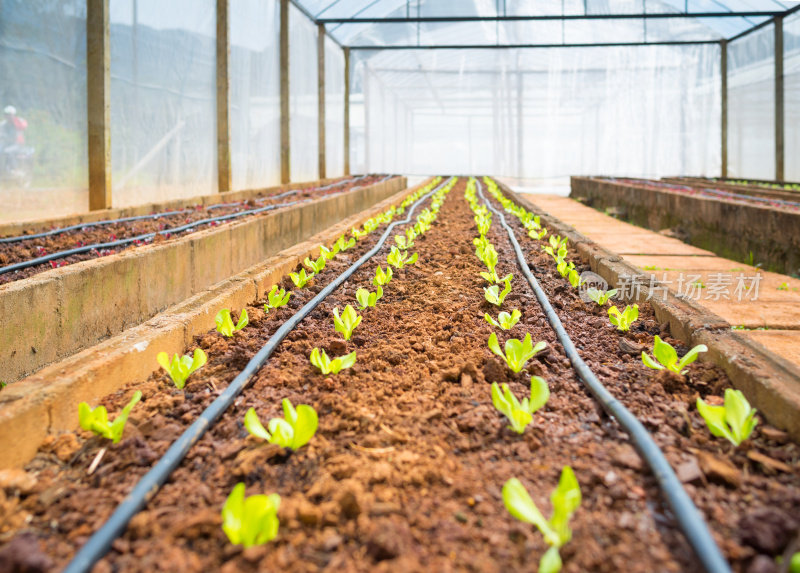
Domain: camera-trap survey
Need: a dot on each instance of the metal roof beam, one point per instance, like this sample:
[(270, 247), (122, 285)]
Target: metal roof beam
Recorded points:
[(529, 46)]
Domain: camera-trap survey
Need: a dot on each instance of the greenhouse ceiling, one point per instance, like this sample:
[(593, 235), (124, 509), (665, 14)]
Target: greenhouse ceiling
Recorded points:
[(415, 24)]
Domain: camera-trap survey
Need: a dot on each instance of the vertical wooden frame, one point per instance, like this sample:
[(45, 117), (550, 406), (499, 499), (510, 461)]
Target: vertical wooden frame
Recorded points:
[(724, 103), (223, 98), (98, 100), (321, 98), (284, 77), (347, 111), (779, 102)]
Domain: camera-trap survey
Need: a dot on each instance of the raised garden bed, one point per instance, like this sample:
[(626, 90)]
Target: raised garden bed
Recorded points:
[(406, 469)]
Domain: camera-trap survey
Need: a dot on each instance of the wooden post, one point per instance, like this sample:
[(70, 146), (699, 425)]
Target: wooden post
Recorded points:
[(723, 66), (284, 77), (223, 95), (779, 110), (321, 97), (347, 111), (98, 94)]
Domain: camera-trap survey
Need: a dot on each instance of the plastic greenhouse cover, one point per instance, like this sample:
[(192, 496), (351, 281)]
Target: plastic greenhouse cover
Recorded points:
[(303, 103)]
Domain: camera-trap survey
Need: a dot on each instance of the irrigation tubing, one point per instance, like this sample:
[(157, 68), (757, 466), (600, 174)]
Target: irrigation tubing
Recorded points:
[(99, 543), (689, 519), (155, 216)]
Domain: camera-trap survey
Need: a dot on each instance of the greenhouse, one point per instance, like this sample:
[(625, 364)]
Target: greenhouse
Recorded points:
[(400, 285)]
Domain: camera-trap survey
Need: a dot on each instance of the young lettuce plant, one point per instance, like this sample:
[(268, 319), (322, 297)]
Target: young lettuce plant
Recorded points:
[(575, 279), (504, 320), (600, 297), (734, 421), (96, 419), (493, 294), (225, 323), (327, 366), (398, 259), (181, 367), (293, 431), (346, 323), (564, 267), (565, 499), (382, 278), (520, 414), (251, 521), (276, 298), (368, 299), (301, 279), (403, 242), (315, 266), (667, 358), (517, 352), (538, 235), (623, 320), (557, 242), (328, 254), (358, 234), (343, 244)]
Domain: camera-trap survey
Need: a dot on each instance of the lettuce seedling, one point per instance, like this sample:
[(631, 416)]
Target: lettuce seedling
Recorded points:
[(343, 244), (181, 367), (225, 322), (575, 279), (96, 419), (368, 299), (666, 357), (489, 258), (556, 241), (504, 320), (371, 224), (564, 268), (398, 259), (293, 432), (493, 294), (382, 278), (358, 234), (517, 352), (327, 366), (317, 265), (403, 242), (301, 279), (520, 414), (481, 243), (538, 235), (276, 298), (565, 499), (347, 323), (623, 320), (600, 297), (327, 254), (252, 521), (410, 236), (734, 421)]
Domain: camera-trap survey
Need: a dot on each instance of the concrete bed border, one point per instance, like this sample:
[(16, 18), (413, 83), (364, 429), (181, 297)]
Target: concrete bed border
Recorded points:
[(771, 383), (53, 314), (46, 403)]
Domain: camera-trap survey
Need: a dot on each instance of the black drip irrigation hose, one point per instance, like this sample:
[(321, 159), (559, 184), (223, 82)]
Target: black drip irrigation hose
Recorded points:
[(689, 518), (147, 487)]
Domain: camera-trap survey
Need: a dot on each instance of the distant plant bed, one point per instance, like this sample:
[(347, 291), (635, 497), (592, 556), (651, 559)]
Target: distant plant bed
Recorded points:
[(422, 417)]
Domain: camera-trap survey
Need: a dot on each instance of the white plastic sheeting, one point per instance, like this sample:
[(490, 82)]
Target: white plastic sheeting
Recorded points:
[(358, 142), (791, 90), (303, 103), (751, 105), (163, 99), (545, 112), (254, 70), (334, 109), (43, 75)]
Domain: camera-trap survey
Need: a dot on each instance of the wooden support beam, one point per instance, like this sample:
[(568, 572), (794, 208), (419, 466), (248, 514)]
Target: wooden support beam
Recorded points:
[(347, 111), (284, 78), (223, 95), (723, 66), (98, 100), (779, 109), (321, 97)]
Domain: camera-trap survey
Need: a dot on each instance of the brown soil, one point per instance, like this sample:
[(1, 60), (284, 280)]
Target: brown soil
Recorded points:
[(11, 253), (406, 469)]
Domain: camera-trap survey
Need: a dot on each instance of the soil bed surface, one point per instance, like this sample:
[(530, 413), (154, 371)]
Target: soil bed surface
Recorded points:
[(407, 466), (11, 253)]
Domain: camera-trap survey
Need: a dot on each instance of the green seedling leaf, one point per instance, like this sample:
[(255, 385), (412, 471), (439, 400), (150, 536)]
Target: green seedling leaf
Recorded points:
[(666, 357), (252, 521), (538, 235), (734, 421), (347, 323), (504, 320), (563, 267), (382, 278), (557, 242), (399, 259), (96, 419), (317, 265), (342, 244), (368, 299), (327, 366), (623, 320), (517, 352), (600, 297), (493, 294), (276, 298), (294, 431), (225, 323), (404, 242), (181, 367), (575, 279), (301, 279), (358, 234), (328, 254), (520, 414)]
